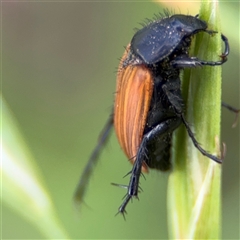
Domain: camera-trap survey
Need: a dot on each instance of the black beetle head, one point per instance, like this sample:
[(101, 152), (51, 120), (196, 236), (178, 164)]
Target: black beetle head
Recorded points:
[(158, 39), (187, 25)]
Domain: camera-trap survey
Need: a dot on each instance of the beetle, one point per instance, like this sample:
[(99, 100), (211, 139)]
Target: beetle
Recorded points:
[(148, 104)]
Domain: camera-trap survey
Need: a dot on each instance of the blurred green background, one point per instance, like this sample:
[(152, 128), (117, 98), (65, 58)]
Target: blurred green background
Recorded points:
[(59, 62)]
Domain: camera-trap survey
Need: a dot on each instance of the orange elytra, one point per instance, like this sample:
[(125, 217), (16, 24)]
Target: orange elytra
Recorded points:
[(132, 102)]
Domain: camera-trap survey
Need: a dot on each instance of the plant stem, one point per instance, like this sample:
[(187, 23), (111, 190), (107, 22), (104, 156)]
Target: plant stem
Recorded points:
[(194, 185)]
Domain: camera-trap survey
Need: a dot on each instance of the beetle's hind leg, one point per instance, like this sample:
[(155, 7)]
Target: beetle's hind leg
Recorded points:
[(87, 172), (160, 131)]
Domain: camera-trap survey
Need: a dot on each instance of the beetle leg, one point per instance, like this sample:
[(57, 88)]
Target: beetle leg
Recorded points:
[(225, 40), (227, 47), (81, 188), (178, 108), (189, 62), (196, 144), (160, 130), (232, 109)]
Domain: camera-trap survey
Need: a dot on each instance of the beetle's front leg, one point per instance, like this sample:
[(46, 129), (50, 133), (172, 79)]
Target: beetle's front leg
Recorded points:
[(190, 62)]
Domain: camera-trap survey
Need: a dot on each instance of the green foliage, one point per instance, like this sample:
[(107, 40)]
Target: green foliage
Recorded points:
[(23, 190)]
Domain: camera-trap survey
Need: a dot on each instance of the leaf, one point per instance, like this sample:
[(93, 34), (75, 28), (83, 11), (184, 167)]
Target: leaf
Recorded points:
[(22, 188)]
